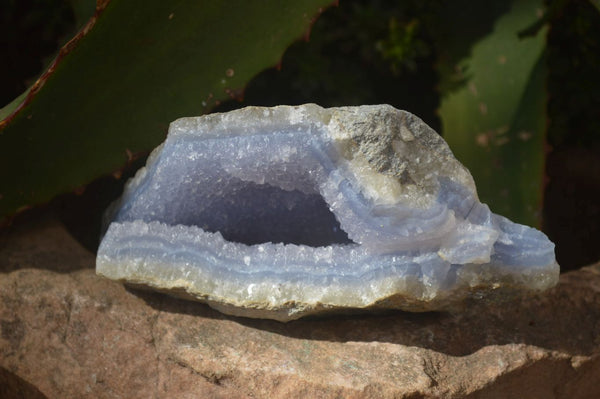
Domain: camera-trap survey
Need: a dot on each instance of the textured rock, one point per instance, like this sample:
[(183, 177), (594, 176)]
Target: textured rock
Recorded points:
[(66, 332), (290, 211)]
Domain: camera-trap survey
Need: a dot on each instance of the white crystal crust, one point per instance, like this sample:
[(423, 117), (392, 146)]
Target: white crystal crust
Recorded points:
[(289, 211)]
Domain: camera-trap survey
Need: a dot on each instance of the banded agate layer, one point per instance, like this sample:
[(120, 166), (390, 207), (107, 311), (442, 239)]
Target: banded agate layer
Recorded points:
[(289, 211)]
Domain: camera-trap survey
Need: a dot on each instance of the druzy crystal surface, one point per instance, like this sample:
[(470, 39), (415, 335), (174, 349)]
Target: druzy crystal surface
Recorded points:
[(289, 211)]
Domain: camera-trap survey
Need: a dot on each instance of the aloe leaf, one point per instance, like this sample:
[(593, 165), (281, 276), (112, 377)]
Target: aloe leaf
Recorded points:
[(141, 65), (493, 108), (12, 106)]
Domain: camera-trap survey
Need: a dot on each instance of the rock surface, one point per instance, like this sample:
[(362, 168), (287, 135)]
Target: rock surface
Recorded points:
[(65, 332)]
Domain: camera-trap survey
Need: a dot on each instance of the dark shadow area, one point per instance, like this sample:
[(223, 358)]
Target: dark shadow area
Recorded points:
[(37, 239), (555, 320), (572, 205), (571, 201), (464, 23), (14, 387), (82, 212), (63, 234), (30, 33), (357, 53)]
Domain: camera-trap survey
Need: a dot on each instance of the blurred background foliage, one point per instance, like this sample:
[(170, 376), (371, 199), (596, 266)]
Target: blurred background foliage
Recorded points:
[(403, 53)]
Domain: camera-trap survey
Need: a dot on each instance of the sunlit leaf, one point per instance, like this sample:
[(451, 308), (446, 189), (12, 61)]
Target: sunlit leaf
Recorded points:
[(493, 108)]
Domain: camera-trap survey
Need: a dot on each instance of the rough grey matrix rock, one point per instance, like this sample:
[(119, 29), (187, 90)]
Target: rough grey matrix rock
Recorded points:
[(289, 211)]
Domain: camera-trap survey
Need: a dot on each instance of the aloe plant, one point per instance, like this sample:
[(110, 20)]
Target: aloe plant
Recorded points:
[(136, 66), (493, 104)]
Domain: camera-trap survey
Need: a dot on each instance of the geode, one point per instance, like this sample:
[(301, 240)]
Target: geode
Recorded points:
[(289, 211)]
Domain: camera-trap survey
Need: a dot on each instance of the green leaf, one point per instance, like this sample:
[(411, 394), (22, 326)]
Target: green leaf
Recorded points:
[(493, 109), (142, 65), (12, 106)]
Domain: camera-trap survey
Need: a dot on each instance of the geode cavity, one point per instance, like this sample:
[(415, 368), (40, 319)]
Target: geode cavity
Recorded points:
[(288, 211)]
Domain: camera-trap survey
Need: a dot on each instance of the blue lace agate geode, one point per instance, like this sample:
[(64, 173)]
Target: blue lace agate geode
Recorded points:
[(289, 211)]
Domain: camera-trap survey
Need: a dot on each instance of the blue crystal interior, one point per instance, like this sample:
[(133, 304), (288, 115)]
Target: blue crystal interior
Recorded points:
[(271, 193), (204, 193), (275, 214)]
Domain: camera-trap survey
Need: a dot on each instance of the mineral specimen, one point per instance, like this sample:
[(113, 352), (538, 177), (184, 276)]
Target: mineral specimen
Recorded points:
[(290, 211)]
